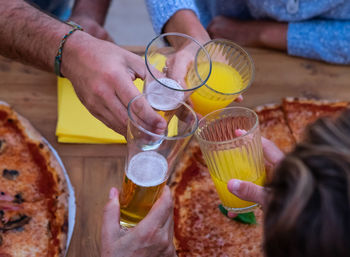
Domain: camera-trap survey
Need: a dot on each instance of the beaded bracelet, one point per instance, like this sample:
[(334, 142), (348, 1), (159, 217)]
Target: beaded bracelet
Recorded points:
[(58, 58)]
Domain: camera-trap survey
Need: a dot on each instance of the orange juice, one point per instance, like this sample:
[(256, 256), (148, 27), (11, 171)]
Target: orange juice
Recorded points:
[(228, 164), (224, 79)]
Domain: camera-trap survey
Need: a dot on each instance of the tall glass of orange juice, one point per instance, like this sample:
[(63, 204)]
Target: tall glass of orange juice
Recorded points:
[(229, 156), (232, 73)]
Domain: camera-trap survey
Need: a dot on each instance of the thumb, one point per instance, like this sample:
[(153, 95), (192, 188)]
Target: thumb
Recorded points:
[(271, 152), (111, 218), (246, 190)]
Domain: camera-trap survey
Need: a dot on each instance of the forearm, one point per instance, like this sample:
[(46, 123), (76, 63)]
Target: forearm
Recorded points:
[(28, 35), (186, 22), (94, 9)]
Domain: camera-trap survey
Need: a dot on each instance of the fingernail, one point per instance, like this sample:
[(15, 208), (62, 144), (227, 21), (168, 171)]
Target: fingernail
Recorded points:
[(112, 193), (241, 131), (233, 185)]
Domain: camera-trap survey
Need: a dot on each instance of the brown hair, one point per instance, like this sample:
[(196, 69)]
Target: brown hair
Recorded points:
[(308, 206)]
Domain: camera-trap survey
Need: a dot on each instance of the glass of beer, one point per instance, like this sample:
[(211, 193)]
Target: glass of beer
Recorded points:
[(152, 151), (232, 73), (229, 156), (168, 65)]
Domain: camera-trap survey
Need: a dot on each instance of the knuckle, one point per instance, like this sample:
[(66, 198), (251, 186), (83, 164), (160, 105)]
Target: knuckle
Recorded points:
[(98, 91), (251, 191), (106, 208), (91, 106), (122, 120), (244, 190), (110, 75)]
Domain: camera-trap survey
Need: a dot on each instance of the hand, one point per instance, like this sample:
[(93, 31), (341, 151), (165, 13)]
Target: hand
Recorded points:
[(92, 27), (152, 237), (180, 62), (268, 34), (247, 190), (102, 75)]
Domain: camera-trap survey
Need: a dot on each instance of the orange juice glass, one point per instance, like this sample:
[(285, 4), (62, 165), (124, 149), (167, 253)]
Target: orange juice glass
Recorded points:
[(232, 73), (230, 157)]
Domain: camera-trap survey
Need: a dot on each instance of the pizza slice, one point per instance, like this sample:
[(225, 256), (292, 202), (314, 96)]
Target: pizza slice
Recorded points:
[(301, 112), (28, 169), (33, 191), (274, 127), (200, 229), (26, 230)]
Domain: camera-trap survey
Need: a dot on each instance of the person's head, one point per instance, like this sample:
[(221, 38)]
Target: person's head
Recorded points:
[(308, 205)]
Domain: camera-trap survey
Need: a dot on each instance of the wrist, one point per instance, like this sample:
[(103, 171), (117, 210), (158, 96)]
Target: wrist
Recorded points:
[(180, 21), (202, 38), (74, 50), (273, 35)]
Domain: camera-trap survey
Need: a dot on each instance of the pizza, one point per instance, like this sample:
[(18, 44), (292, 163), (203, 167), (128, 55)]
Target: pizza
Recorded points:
[(273, 125), (33, 192), (200, 229), (301, 112)]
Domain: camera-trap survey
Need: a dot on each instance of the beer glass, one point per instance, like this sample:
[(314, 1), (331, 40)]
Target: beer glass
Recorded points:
[(229, 156), (152, 153), (232, 73), (167, 66)]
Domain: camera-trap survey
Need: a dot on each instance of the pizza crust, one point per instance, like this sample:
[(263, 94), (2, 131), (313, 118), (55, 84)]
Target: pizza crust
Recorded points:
[(274, 126), (325, 102), (301, 112), (271, 106), (54, 167)]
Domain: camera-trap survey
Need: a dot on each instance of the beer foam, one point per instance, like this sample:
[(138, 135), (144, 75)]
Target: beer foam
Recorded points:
[(147, 169), (160, 101)]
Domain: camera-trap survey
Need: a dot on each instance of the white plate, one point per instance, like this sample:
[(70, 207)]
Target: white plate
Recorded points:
[(71, 199)]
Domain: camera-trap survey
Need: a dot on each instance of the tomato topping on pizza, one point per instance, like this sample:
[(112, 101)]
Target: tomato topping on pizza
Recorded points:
[(33, 192)]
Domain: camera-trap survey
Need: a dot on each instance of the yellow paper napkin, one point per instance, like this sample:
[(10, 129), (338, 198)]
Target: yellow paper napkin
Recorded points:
[(76, 125)]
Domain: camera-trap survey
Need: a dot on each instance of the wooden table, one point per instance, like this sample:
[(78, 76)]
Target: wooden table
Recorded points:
[(93, 169)]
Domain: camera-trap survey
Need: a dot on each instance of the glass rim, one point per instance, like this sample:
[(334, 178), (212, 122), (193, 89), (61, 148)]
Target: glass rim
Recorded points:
[(188, 37), (242, 209), (249, 132), (130, 117), (220, 40)]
